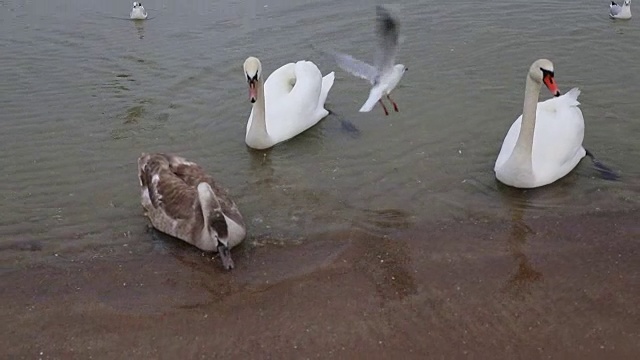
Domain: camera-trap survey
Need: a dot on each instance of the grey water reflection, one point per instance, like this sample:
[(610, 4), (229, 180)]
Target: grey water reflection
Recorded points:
[(139, 28), (525, 275), (83, 95)]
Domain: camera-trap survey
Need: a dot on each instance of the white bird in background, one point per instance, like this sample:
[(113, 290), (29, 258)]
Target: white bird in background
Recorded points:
[(138, 12), (384, 75), (620, 12)]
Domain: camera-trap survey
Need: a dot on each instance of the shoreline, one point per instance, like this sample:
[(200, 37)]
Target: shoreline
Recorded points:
[(539, 288)]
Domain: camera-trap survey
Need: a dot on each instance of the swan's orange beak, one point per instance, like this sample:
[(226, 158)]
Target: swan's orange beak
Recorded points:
[(253, 92), (550, 82)]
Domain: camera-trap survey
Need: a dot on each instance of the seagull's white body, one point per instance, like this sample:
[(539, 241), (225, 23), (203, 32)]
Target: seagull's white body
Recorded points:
[(138, 12), (387, 82), (620, 12)]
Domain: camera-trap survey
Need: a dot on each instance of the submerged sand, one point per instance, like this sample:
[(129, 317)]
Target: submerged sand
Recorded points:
[(561, 288)]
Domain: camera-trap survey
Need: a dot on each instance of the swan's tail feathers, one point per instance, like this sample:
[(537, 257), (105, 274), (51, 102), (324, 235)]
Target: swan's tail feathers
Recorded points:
[(327, 84), (571, 97), (605, 172), (573, 94), (374, 96)]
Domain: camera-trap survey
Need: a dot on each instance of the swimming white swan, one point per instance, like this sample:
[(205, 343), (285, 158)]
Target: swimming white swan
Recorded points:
[(138, 12), (288, 103), (620, 12), (183, 201), (545, 142)]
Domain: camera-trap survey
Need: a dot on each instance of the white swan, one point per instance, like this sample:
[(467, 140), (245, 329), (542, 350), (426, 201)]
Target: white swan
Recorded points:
[(620, 12), (288, 103), (548, 145), (138, 12)]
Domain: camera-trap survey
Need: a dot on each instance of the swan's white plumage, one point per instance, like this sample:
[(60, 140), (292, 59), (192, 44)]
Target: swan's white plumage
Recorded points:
[(557, 143), (294, 97)]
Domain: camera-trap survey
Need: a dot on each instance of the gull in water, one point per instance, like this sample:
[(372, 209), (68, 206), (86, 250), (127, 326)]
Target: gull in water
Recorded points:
[(620, 12), (138, 12), (384, 75)]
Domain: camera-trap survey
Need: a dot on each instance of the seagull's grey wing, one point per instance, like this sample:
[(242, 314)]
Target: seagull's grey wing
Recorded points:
[(387, 33), (614, 8), (355, 67)]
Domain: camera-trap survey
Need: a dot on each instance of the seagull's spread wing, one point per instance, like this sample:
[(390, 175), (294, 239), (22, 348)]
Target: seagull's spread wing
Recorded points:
[(387, 33), (355, 67), (614, 9)]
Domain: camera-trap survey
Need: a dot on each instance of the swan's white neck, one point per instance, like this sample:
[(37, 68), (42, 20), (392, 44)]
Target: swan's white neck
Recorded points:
[(521, 154), (207, 201), (257, 135)]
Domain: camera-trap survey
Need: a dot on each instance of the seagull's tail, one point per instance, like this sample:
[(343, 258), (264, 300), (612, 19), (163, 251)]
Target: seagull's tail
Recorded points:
[(374, 95)]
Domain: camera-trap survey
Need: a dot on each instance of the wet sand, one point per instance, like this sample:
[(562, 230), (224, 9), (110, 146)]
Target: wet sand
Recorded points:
[(560, 288)]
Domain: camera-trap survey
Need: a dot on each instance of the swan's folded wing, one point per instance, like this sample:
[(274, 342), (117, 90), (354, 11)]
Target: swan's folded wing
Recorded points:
[(557, 107), (193, 175), (355, 67), (509, 143), (174, 196), (570, 98), (166, 190), (189, 172), (558, 135)]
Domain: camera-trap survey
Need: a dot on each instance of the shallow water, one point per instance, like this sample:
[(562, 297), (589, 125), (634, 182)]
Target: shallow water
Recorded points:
[(85, 91)]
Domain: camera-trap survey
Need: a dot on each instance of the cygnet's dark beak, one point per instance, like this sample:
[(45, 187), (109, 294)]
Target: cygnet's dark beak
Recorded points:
[(225, 256)]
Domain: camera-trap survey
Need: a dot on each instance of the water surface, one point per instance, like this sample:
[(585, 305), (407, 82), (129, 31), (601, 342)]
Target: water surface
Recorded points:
[(84, 91)]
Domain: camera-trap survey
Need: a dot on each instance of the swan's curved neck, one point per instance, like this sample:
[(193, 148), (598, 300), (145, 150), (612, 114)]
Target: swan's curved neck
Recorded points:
[(207, 201), (257, 133), (524, 145)]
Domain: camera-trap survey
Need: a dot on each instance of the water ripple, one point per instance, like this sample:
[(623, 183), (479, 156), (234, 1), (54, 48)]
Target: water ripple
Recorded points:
[(85, 92)]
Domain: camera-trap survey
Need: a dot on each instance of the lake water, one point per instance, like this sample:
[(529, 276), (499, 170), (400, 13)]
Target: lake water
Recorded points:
[(84, 91)]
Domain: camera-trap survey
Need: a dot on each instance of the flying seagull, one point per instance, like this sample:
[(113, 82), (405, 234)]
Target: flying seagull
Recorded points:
[(384, 75)]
